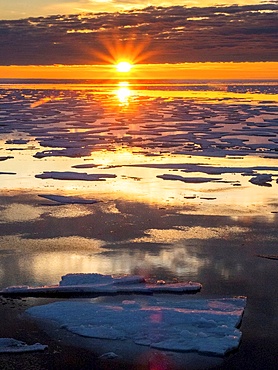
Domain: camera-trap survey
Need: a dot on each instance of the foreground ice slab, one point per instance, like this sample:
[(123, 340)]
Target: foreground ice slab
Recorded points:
[(82, 284), (10, 345), (185, 325)]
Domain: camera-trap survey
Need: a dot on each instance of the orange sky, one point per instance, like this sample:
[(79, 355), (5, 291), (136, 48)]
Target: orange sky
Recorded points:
[(166, 42), (16, 9), (228, 70)]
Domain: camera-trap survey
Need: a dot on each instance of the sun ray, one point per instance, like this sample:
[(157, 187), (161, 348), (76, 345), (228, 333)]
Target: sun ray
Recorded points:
[(114, 49)]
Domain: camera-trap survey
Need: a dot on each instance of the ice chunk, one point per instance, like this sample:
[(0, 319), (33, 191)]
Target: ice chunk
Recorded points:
[(17, 141), (93, 278), (191, 180), (82, 284), (262, 180), (68, 199), (6, 157), (74, 176), (10, 345), (203, 325), (85, 165)]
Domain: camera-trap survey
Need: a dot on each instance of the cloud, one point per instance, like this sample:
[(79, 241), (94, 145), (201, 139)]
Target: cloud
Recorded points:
[(173, 34)]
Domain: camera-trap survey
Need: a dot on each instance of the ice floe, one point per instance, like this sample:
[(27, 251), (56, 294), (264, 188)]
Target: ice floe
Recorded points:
[(17, 141), (179, 125), (262, 180), (68, 175), (68, 152), (191, 180), (10, 345), (210, 170), (5, 158), (208, 326), (85, 165), (68, 199), (98, 284)]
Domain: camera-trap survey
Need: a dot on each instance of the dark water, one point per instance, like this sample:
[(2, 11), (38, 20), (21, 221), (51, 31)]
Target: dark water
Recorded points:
[(226, 265)]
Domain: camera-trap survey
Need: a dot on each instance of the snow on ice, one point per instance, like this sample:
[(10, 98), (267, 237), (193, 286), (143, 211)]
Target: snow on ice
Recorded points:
[(82, 284), (207, 326)]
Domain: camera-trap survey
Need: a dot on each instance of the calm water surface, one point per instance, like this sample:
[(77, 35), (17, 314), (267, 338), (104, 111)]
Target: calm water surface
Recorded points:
[(174, 198)]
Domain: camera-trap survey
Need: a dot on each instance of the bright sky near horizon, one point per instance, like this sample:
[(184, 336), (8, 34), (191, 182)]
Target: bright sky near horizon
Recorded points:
[(209, 38)]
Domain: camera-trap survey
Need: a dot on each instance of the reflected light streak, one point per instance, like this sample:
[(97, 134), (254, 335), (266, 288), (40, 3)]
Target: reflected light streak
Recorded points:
[(123, 93), (40, 102)]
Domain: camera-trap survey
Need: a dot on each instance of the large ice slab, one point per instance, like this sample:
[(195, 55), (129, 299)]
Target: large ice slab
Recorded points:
[(185, 325), (98, 284), (10, 345)]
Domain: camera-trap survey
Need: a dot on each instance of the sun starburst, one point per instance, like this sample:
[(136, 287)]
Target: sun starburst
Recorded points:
[(123, 66)]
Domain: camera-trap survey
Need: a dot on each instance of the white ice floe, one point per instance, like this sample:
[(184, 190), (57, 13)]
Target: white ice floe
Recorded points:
[(68, 199), (82, 284), (10, 345), (191, 180), (262, 180), (75, 176), (204, 325)]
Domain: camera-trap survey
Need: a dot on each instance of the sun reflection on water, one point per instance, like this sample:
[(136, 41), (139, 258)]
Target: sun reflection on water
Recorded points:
[(123, 93)]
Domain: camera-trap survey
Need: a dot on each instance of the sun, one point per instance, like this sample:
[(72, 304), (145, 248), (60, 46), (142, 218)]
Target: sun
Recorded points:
[(123, 66)]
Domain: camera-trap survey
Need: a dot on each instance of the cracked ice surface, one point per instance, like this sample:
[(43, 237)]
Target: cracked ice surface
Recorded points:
[(203, 325)]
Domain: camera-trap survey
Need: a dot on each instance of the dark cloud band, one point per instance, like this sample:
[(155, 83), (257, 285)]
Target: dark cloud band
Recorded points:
[(153, 35)]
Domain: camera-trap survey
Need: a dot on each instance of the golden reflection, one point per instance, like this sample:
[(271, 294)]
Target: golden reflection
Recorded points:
[(123, 93), (40, 102)]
